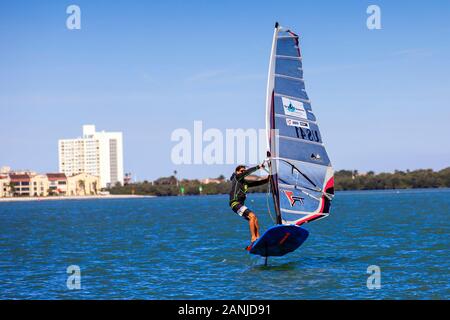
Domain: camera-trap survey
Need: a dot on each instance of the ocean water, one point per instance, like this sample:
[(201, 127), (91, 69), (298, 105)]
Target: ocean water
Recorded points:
[(193, 248)]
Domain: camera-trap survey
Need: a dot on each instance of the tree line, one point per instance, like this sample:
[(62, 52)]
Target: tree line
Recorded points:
[(344, 180), (424, 178)]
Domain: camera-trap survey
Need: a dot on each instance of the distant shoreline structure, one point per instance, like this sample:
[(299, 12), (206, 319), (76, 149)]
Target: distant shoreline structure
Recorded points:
[(345, 180), (56, 198)]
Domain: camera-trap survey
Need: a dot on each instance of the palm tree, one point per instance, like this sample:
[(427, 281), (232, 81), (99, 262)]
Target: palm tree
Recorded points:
[(94, 185), (175, 175), (12, 188)]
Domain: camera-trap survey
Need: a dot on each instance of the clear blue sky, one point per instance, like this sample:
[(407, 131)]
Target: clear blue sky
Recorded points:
[(147, 68)]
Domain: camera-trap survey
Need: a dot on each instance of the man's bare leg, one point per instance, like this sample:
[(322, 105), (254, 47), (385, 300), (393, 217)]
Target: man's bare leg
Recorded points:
[(257, 227), (254, 228)]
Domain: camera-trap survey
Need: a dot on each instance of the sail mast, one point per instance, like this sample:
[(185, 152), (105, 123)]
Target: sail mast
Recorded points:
[(269, 124), (270, 87)]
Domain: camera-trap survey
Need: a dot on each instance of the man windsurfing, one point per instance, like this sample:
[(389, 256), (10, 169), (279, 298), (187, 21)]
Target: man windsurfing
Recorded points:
[(240, 183)]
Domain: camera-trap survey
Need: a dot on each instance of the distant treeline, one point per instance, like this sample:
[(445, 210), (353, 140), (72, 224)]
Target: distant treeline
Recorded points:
[(352, 180), (344, 180)]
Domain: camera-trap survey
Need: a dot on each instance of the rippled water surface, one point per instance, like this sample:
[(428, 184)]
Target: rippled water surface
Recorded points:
[(193, 248)]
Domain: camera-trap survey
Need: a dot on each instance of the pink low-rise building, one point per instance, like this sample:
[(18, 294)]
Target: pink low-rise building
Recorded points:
[(57, 183)]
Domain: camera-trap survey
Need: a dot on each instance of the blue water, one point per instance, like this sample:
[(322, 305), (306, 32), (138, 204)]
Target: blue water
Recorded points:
[(193, 248)]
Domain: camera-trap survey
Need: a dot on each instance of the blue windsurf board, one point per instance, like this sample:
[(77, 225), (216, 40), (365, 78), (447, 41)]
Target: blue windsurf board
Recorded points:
[(279, 240)]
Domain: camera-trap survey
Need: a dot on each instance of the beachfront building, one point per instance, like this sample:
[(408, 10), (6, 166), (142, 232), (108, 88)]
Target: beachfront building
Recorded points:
[(5, 170), (211, 180), (20, 184), (57, 184), (83, 184), (4, 185), (31, 184), (39, 185), (96, 153)]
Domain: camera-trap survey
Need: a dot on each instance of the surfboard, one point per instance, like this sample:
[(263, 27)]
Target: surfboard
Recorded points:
[(279, 240)]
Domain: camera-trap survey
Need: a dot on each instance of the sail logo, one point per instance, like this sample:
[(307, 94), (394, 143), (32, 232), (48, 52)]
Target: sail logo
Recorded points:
[(293, 199), (294, 108), (297, 123)]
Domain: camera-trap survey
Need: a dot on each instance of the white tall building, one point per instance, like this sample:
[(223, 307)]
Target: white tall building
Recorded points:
[(96, 153)]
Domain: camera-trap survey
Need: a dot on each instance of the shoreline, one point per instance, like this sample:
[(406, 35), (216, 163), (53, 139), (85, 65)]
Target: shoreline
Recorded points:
[(129, 196), (56, 198)]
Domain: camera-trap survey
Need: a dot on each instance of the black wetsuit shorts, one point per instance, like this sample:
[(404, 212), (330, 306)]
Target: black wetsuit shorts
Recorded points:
[(241, 210)]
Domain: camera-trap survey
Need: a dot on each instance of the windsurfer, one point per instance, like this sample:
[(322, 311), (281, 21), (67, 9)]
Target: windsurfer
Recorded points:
[(240, 183)]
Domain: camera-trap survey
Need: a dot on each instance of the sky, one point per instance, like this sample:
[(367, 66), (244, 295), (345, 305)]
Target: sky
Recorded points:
[(148, 68)]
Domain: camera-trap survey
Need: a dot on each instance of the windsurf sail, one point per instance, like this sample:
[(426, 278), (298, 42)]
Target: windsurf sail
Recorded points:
[(301, 182)]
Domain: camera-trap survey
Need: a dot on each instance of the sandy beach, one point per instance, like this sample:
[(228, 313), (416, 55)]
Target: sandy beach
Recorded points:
[(125, 196)]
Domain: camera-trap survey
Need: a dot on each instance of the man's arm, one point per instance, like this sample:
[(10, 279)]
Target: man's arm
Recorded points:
[(257, 182), (247, 172)]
